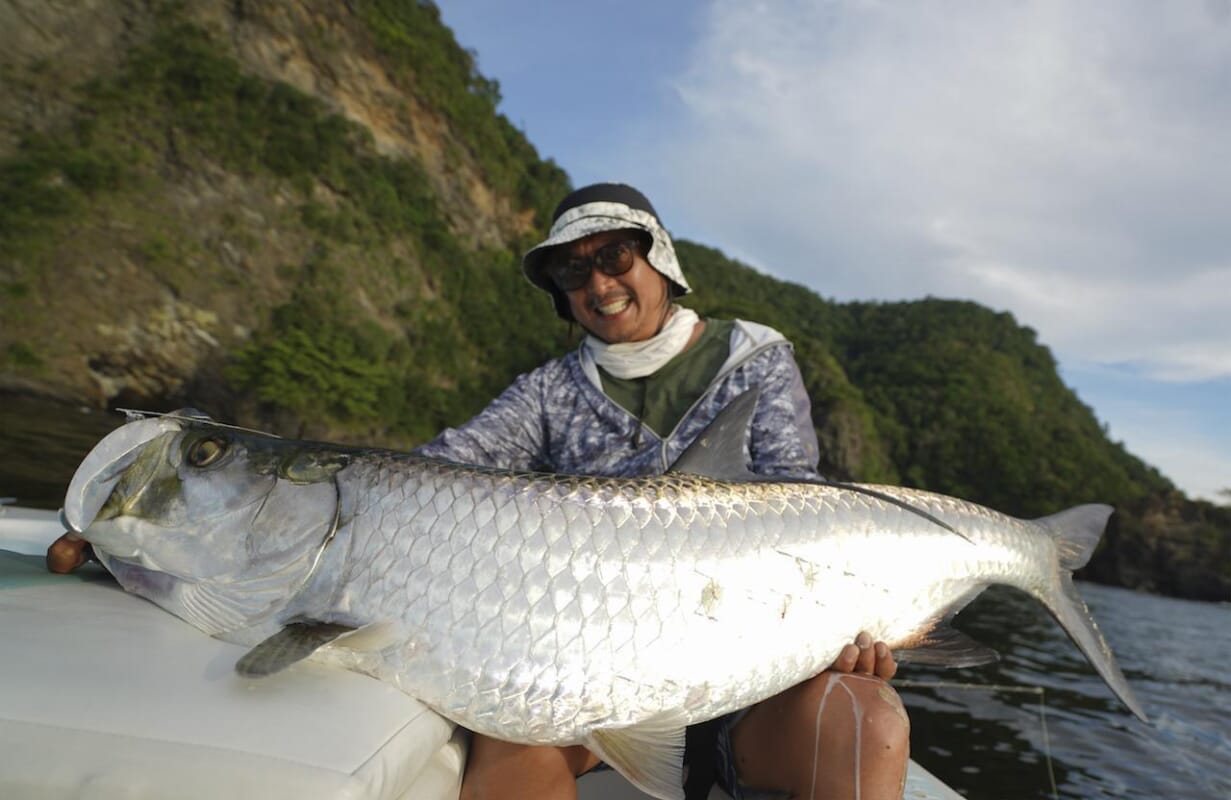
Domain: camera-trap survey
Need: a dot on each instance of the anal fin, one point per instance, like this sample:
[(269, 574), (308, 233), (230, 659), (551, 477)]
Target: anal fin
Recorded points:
[(944, 646), (650, 754)]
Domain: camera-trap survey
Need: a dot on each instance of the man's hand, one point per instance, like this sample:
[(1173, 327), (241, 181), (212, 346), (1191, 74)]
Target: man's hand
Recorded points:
[(867, 657), (67, 553)]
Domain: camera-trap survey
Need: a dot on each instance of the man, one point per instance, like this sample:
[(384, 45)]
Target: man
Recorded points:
[(649, 376)]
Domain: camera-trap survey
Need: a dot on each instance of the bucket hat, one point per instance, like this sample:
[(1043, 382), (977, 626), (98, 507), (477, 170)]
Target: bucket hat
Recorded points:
[(594, 209)]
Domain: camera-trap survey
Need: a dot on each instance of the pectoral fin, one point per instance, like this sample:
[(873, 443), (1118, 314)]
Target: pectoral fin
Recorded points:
[(295, 642), (944, 646), (650, 754)]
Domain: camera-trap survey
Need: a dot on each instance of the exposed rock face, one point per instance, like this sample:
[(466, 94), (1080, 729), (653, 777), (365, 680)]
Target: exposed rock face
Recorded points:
[(322, 50), (154, 356)]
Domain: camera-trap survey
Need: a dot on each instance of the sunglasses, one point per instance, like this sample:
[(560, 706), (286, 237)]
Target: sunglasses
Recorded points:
[(570, 272)]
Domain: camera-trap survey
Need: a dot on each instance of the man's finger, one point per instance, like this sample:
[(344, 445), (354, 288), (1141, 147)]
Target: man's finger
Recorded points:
[(845, 662), (67, 553), (886, 665), (867, 654)]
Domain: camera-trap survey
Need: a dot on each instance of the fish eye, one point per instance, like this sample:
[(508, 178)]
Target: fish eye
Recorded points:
[(206, 451)]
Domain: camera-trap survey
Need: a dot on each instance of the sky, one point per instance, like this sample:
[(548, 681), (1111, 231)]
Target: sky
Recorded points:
[(1066, 161)]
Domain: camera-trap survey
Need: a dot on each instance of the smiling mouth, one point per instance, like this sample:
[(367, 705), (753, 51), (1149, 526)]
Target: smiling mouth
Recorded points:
[(612, 307)]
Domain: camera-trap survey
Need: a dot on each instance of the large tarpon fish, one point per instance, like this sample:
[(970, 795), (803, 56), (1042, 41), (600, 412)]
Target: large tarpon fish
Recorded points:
[(555, 609)]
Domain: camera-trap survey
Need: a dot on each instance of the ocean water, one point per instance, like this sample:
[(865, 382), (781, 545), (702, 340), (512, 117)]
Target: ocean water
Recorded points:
[(1041, 714), (1038, 724)]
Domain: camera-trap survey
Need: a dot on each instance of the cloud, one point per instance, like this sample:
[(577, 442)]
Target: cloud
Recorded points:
[(1065, 161)]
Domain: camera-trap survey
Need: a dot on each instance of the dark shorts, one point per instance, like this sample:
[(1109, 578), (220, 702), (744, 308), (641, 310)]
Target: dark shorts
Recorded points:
[(724, 763)]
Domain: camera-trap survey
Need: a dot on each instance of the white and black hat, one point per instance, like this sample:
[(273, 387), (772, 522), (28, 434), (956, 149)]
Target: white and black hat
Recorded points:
[(594, 209)]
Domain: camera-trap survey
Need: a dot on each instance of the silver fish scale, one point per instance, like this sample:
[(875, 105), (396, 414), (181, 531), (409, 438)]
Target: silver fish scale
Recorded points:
[(580, 603)]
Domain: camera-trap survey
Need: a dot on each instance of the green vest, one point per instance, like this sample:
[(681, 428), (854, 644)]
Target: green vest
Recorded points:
[(661, 399)]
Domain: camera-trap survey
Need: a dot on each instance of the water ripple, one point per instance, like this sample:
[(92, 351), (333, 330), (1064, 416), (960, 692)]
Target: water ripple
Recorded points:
[(995, 741)]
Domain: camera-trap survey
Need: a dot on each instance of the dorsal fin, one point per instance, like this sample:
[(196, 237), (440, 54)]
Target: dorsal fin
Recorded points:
[(718, 451), (1077, 531)]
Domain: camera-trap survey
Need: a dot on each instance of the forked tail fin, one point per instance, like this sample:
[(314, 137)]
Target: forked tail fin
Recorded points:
[(1076, 532)]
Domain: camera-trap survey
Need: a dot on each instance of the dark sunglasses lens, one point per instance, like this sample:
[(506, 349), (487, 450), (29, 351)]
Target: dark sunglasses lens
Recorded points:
[(615, 258), (569, 273)]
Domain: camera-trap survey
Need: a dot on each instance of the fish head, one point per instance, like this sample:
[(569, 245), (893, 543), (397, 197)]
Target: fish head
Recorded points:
[(178, 508)]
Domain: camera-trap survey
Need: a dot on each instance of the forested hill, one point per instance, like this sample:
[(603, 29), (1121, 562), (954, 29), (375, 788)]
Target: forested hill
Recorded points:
[(306, 215)]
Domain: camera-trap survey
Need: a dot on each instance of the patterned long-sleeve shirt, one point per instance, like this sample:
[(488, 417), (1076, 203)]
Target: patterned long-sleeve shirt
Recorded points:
[(557, 418)]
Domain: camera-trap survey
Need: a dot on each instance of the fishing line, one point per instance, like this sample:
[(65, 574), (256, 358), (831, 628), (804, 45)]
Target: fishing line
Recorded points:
[(838, 681), (135, 414), (888, 498), (859, 488), (816, 742), (999, 687), (856, 712)]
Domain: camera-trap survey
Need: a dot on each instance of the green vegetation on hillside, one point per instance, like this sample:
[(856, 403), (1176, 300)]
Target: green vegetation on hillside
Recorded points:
[(50, 178), (942, 395), (978, 409)]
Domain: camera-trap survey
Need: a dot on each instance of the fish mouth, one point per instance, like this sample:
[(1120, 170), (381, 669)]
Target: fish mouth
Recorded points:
[(104, 466), (120, 549)]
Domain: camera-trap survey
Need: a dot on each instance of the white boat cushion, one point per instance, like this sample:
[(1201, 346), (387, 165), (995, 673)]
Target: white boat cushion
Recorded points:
[(104, 695)]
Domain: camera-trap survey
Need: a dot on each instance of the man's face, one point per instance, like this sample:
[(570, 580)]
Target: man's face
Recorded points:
[(618, 308)]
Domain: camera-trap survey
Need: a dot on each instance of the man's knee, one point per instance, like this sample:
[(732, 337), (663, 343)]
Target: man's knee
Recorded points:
[(869, 705), (886, 727)]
